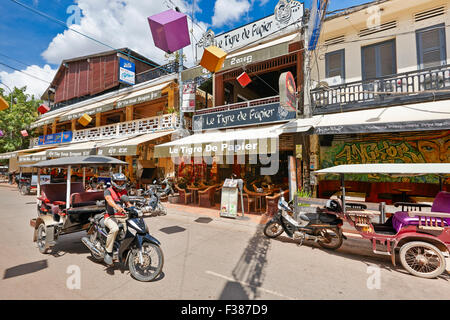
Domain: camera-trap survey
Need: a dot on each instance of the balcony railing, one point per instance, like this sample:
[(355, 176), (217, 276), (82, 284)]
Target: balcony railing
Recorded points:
[(244, 104), (126, 129), (409, 87)]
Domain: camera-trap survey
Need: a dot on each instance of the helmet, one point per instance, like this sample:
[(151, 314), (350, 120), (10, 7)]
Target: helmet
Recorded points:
[(333, 205), (116, 178)]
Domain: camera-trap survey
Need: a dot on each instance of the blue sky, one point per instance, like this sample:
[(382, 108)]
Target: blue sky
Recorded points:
[(40, 44)]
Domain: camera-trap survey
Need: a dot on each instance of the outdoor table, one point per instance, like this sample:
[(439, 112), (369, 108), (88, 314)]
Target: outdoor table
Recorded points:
[(351, 196), (422, 200), (403, 192), (195, 190)]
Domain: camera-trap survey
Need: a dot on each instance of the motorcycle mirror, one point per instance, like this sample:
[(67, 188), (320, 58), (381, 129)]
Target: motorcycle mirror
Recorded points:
[(125, 198)]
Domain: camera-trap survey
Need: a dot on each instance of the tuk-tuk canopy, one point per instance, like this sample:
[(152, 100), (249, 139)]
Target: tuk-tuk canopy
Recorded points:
[(83, 161), (407, 169)]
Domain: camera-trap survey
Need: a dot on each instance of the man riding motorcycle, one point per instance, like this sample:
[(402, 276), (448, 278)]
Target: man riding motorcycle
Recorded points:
[(114, 212)]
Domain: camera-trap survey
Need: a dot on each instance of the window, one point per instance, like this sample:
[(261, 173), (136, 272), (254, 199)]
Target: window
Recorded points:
[(378, 60), (431, 46), (335, 64)]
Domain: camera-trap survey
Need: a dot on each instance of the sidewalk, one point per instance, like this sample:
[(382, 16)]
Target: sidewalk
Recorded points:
[(249, 218), (7, 185)]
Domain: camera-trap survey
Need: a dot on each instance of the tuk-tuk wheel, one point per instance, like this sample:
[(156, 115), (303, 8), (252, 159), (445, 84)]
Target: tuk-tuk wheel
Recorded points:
[(41, 235), (422, 259)]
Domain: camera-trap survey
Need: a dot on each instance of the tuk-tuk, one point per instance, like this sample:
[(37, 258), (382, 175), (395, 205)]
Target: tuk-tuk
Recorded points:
[(65, 208), (418, 233)]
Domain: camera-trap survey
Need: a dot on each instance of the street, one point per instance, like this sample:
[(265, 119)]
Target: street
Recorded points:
[(204, 258)]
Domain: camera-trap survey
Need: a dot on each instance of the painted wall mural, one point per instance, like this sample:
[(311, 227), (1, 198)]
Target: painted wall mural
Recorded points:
[(423, 147)]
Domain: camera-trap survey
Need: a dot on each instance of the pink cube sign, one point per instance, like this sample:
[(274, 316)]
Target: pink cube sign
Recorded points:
[(169, 30)]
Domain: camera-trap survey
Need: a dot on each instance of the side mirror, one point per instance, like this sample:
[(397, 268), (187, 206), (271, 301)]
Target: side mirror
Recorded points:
[(125, 198)]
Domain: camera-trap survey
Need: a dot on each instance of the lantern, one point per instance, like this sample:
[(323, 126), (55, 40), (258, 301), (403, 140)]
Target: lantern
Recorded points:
[(213, 58), (24, 133), (85, 120), (3, 104), (169, 30), (244, 79), (43, 109)]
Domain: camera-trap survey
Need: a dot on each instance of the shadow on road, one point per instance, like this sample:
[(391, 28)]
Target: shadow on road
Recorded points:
[(26, 268), (249, 270)]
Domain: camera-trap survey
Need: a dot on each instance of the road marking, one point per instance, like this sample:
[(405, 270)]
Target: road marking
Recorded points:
[(248, 285)]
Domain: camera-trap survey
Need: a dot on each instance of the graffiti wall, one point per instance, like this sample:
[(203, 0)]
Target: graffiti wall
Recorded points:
[(420, 147)]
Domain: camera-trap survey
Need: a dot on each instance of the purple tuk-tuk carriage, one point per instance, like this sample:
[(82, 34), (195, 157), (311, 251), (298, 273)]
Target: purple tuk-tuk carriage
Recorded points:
[(418, 233)]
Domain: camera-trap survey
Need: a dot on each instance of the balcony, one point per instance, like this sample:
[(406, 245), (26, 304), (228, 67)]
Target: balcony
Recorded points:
[(403, 88), (126, 129), (244, 104)]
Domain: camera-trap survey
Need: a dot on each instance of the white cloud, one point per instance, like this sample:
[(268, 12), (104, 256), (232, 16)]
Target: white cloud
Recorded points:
[(118, 24), (21, 79), (229, 11)]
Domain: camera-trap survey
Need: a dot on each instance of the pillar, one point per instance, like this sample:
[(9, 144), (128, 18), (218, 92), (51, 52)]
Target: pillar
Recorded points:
[(54, 126), (98, 119), (45, 130), (73, 124), (218, 90), (130, 173), (314, 159), (129, 113)]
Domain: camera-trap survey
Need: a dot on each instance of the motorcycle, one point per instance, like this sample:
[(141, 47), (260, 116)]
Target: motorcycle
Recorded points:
[(133, 246), (149, 202), (319, 226)]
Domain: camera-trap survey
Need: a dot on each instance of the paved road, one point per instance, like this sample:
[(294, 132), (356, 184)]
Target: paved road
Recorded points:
[(204, 259)]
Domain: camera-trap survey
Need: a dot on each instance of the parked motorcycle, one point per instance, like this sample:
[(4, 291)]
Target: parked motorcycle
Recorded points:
[(135, 246), (149, 202), (319, 226)]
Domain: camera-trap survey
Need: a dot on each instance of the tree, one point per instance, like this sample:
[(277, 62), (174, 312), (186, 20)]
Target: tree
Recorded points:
[(16, 118)]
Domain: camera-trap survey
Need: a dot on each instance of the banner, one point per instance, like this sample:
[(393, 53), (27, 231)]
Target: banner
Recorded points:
[(60, 137), (288, 98), (189, 89)]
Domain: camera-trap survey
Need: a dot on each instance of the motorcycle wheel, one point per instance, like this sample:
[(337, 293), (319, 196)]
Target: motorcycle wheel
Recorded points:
[(273, 229), (422, 259), (333, 238), (162, 210), (151, 267)]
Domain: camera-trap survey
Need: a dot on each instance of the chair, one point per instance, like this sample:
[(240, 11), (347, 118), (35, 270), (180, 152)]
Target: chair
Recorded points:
[(441, 204), (248, 203), (218, 193), (206, 197), (184, 196), (272, 202)]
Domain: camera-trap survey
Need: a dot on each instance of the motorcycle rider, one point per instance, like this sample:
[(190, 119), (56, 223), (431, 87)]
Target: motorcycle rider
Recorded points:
[(114, 212)]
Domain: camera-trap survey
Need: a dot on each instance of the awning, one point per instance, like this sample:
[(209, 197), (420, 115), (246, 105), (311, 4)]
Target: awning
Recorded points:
[(34, 157), (73, 150), (47, 119), (17, 153), (142, 96), (128, 146), (261, 140), (412, 117), (85, 161), (92, 109), (389, 169)]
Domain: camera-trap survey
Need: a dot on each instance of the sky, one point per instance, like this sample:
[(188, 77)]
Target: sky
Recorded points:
[(34, 43)]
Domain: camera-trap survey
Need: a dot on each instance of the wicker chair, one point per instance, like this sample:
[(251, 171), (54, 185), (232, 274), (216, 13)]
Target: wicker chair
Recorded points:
[(184, 196), (206, 197), (272, 202)]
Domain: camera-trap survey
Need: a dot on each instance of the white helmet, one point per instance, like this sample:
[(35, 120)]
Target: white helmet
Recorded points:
[(119, 177)]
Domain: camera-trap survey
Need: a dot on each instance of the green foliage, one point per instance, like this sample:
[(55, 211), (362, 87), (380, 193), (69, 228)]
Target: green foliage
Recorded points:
[(304, 193), (17, 118)]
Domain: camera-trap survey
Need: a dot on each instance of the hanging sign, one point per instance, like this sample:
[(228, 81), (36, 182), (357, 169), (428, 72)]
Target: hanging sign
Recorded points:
[(127, 71), (318, 10), (286, 14), (288, 98)]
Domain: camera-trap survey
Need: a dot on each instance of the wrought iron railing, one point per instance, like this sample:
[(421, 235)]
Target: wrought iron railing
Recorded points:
[(408, 87), (157, 72)]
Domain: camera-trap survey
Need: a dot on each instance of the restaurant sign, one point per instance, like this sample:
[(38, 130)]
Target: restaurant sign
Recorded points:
[(139, 99), (286, 13), (269, 113), (103, 108), (60, 137)]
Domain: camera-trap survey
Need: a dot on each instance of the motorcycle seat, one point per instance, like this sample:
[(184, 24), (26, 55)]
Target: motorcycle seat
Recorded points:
[(315, 218)]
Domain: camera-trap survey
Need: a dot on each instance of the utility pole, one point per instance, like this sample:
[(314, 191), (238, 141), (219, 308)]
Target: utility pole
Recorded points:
[(180, 87)]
